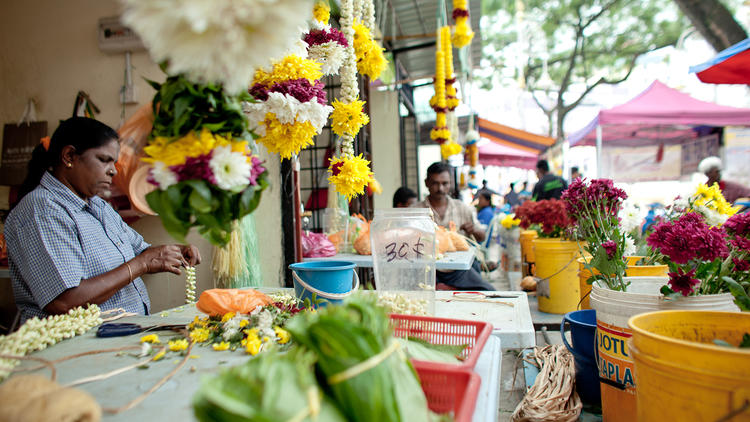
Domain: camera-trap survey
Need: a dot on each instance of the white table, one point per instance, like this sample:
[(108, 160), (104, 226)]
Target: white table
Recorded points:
[(460, 260), (488, 368)]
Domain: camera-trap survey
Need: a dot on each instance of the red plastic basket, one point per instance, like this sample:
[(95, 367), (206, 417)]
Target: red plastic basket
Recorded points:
[(445, 331), (449, 389)]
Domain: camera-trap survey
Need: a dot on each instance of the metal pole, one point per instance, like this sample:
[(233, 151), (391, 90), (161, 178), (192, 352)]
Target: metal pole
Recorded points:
[(598, 151), (297, 204)]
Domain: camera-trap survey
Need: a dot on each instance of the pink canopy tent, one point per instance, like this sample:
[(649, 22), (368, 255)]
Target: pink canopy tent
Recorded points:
[(658, 115), (494, 154)]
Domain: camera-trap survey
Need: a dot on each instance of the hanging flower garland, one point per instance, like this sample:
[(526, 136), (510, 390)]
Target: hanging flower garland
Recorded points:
[(325, 44), (291, 108), (370, 58), (219, 41), (36, 334), (349, 174), (472, 152), (463, 34), (451, 101)]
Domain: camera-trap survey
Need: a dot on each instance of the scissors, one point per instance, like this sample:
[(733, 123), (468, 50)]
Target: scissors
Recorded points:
[(480, 295), (119, 329)]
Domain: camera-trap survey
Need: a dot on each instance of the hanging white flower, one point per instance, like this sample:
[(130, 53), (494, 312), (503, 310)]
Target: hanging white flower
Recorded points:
[(330, 55), (231, 169), (219, 41), (163, 175)]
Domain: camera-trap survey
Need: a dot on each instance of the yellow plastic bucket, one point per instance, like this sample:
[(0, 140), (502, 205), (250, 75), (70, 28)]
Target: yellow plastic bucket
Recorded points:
[(615, 362), (558, 291), (584, 275), (682, 375), (645, 270), (527, 251)]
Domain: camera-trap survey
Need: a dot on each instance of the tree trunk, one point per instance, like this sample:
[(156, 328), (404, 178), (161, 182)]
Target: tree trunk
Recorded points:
[(713, 21)]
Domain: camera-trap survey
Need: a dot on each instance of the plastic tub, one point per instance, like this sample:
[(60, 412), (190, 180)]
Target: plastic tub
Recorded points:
[(449, 390)]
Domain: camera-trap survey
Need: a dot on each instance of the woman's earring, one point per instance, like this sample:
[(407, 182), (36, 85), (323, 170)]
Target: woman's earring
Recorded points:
[(69, 165)]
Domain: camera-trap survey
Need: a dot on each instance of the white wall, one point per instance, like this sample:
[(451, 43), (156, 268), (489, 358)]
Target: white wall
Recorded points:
[(386, 145), (49, 51)]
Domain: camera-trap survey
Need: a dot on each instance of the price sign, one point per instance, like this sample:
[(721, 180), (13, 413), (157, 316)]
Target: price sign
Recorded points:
[(404, 249)]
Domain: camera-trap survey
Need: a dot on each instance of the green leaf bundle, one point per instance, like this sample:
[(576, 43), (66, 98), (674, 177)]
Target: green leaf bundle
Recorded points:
[(270, 387), (348, 339)]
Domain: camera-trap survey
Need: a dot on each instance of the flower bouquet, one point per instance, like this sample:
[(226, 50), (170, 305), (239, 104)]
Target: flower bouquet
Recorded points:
[(705, 259), (594, 206), (549, 217)]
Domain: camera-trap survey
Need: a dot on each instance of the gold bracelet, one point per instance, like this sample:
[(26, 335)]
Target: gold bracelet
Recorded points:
[(130, 271)]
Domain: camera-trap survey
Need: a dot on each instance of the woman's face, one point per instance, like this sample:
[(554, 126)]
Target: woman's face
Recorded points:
[(91, 173)]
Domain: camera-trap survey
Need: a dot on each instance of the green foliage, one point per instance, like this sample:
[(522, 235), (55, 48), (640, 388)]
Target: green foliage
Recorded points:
[(586, 42), (741, 297), (181, 106), (197, 203)]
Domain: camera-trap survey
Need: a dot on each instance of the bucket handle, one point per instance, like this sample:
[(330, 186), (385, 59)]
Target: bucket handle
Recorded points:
[(575, 353), (334, 296)]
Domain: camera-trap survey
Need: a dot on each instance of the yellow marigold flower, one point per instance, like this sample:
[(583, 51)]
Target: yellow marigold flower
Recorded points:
[(375, 186), (221, 346), (510, 221), (289, 68), (282, 335), (244, 323), (177, 345), (251, 332), (440, 134), (286, 139), (321, 12), (348, 118), (175, 151), (449, 149), (370, 58), (227, 316), (265, 339), (151, 338), (441, 120), (253, 346), (199, 335), (350, 175), (463, 33), (159, 355)]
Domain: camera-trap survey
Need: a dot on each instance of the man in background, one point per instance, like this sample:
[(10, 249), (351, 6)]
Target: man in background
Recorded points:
[(511, 198), (711, 167), (574, 173), (404, 198), (549, 186)]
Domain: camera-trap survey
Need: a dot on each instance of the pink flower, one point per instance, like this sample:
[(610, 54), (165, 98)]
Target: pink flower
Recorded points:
[(256, 171), (741, 264), (321, 36), (687, 238), (741, 243), (610, 247), (195, 168), (683, 282), (738, 225), (301, 89)]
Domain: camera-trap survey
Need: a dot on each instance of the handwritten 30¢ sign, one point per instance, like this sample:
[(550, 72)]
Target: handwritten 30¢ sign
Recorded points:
[(405, 249)]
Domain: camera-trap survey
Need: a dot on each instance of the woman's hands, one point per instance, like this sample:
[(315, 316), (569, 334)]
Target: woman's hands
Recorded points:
[(191, 255), (168, 258)]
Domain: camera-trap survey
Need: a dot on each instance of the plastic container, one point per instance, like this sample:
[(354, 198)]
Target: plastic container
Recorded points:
[(331, 281), (403, 252), (582, 332), (584, 274), (445, 331), (558, 291), (682, 375), (645, 270), (613, 309), (449, 390), (527, 251)]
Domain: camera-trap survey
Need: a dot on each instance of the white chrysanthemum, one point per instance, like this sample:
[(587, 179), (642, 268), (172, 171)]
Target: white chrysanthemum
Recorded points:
[(288, 110), (629, 249), (681, 203), (630, 216), (712, 217), (231, 169), (330, 55), (221, 41), (163, 175)]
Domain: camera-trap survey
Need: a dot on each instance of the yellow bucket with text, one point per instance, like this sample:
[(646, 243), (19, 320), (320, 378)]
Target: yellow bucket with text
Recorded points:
[(682, 374), (632, 271), (558, 289), (527, 251)]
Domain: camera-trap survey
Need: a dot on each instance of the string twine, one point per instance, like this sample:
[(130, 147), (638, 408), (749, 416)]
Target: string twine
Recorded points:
[(553, 396), (365, 365)]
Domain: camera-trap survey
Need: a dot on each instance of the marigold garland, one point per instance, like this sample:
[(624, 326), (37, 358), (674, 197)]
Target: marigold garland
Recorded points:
[(348, 119), (175, 152), (451, 101), (286, 139), (321, 12), (449, 149), (440, 133), (369, 55), (350, 175), (463, 34), (289, 68)]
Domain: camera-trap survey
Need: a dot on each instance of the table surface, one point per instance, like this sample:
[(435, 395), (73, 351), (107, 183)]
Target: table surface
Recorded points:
[(460, 260), (172, 401)]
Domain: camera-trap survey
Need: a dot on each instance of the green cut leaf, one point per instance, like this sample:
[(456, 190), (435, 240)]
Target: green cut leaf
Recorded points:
[(740, 295), (745, 343)]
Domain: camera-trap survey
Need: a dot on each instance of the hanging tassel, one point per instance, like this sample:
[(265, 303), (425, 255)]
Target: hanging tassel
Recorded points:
[(228, 262)]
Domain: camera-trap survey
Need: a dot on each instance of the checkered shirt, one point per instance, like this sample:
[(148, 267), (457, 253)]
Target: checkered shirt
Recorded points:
[(56, 239)]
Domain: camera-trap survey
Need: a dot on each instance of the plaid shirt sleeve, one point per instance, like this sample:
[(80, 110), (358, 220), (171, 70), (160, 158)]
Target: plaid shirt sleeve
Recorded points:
[(135, 238), (49, 255)]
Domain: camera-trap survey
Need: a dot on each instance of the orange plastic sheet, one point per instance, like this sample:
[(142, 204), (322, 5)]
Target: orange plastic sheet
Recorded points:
[(217, 302)]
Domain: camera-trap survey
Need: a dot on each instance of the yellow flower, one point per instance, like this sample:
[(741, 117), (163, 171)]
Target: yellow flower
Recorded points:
[(510, 221), (227, 316), (251, 332), (448, 149), (244, 323), (282, 335), (197, 322), (175, 151), (440, 134), (440, 120), (221, 346), (289, 68), (159, 355), (375, 186), (286, 139), (151, 338), (463, 34), (177, 345), (199, 335), (370, 58), (321, 12), (253, 346), (350, 175), (348, 118)]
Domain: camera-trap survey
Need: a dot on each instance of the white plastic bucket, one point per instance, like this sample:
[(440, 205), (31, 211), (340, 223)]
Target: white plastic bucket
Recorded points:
[(613, 310)]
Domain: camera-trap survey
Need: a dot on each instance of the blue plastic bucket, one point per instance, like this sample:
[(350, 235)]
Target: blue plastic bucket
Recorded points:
[(582, 333), (331, 281)]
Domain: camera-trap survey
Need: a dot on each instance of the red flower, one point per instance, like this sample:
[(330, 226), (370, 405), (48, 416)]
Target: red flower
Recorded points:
[(683, 282), (687, 238), (741, 264), (738, 225), (549, 213), (610, 247)]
